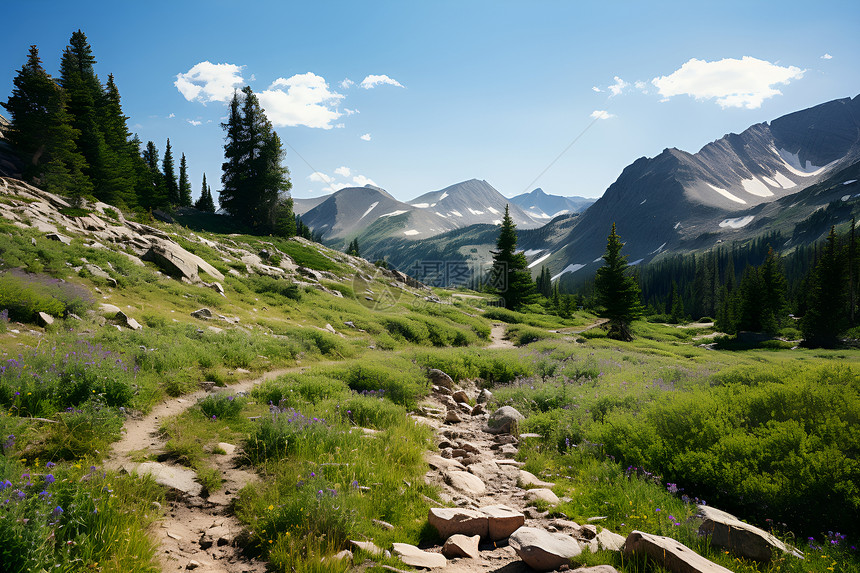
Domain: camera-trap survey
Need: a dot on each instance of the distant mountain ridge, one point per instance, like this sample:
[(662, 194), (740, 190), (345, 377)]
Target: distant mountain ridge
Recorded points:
[(542, 206), (353, 210), (796, 174)]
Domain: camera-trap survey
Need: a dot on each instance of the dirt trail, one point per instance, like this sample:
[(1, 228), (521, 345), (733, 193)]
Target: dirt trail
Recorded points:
[(196, 532), (466, 446), (497, 337)]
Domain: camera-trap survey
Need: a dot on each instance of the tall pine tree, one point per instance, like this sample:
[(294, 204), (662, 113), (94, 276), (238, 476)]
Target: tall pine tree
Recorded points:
[(617, 292), (42, 134), (154, 192), (825, 316), (205, 202), (169, 174), (184, 184), (253, 179), (79, 80), (510, 277)]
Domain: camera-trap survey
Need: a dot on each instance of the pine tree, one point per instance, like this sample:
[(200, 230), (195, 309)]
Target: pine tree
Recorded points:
[(285, 219), (120, 150), (184, 184), (41, 134), (510, 277), (205, 202), (544, 282), (617, 292), (352, 249), (253, 179), (169, 174), (79, 80), (825, 316), (154, 194)]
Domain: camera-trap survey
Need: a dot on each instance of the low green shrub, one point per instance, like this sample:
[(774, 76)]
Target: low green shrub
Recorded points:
[(25, 295), (221, 405)]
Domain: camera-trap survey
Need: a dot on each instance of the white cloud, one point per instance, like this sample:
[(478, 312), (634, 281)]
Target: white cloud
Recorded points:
[(826, 57), (349, 112), (171, 116), (306, 101), (734, 83), (362, 180), (372, 81), (347, 83), (618, 86), (207, 82), (194, 122), (596, 89), (338, 186), (366, 137), (343, 171), (601, 114), (320, 177)]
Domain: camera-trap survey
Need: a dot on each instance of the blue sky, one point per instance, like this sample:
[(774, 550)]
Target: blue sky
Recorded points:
[(446, 91)]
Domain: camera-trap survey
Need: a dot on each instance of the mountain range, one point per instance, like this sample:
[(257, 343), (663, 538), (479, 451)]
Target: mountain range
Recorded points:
[(796, 175)]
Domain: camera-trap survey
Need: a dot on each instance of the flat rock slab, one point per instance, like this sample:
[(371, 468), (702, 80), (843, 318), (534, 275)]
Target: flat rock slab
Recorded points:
[(415, 557), (462, 546), (439, 463), (542, 494), (542, 550), (607, 541), (503, 520), (596, 569), (450, 521), (465, 482), (180, 479), (528, 479), (669, 554), (741, 539), (368, 547)]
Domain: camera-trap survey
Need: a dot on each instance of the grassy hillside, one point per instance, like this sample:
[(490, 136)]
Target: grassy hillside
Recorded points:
[(634, 432)]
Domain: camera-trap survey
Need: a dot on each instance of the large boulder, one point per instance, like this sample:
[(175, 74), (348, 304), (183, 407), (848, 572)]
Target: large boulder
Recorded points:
[(467, 483), (669, 554), (503, 420), (503, 521), (543, 551), (542, 494), (449, 521), (439, 378), (741, 539), (176, 261), (528, 479), (415, 557)]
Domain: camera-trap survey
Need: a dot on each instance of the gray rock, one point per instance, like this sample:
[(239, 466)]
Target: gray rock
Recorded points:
[(449, 521), (439, 378), (453, 417), (543, 551), (415, 557), (461, 397), (528, 479), (502, 521), (127, 321), (478, 410), (44, 319), (669, 554), (542, 494), (202, 314), (596, 569), (606, 540), (504, 420), (465, 482), (109, 309), (367, 547), (484, 396), (459, 545), (58, 237), (177, 478), (741, 539)]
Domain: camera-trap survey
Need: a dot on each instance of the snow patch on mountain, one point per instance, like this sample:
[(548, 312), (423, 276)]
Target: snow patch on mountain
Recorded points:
[(421, 205), (493, 211), (849, 182), (658, 249), (737, 222), (457, 213), (725, 194), (411, 232), (393, 213), (571, 268), (756, 187), (784, 181), (369, 209), (475, 211), (536, 262)]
